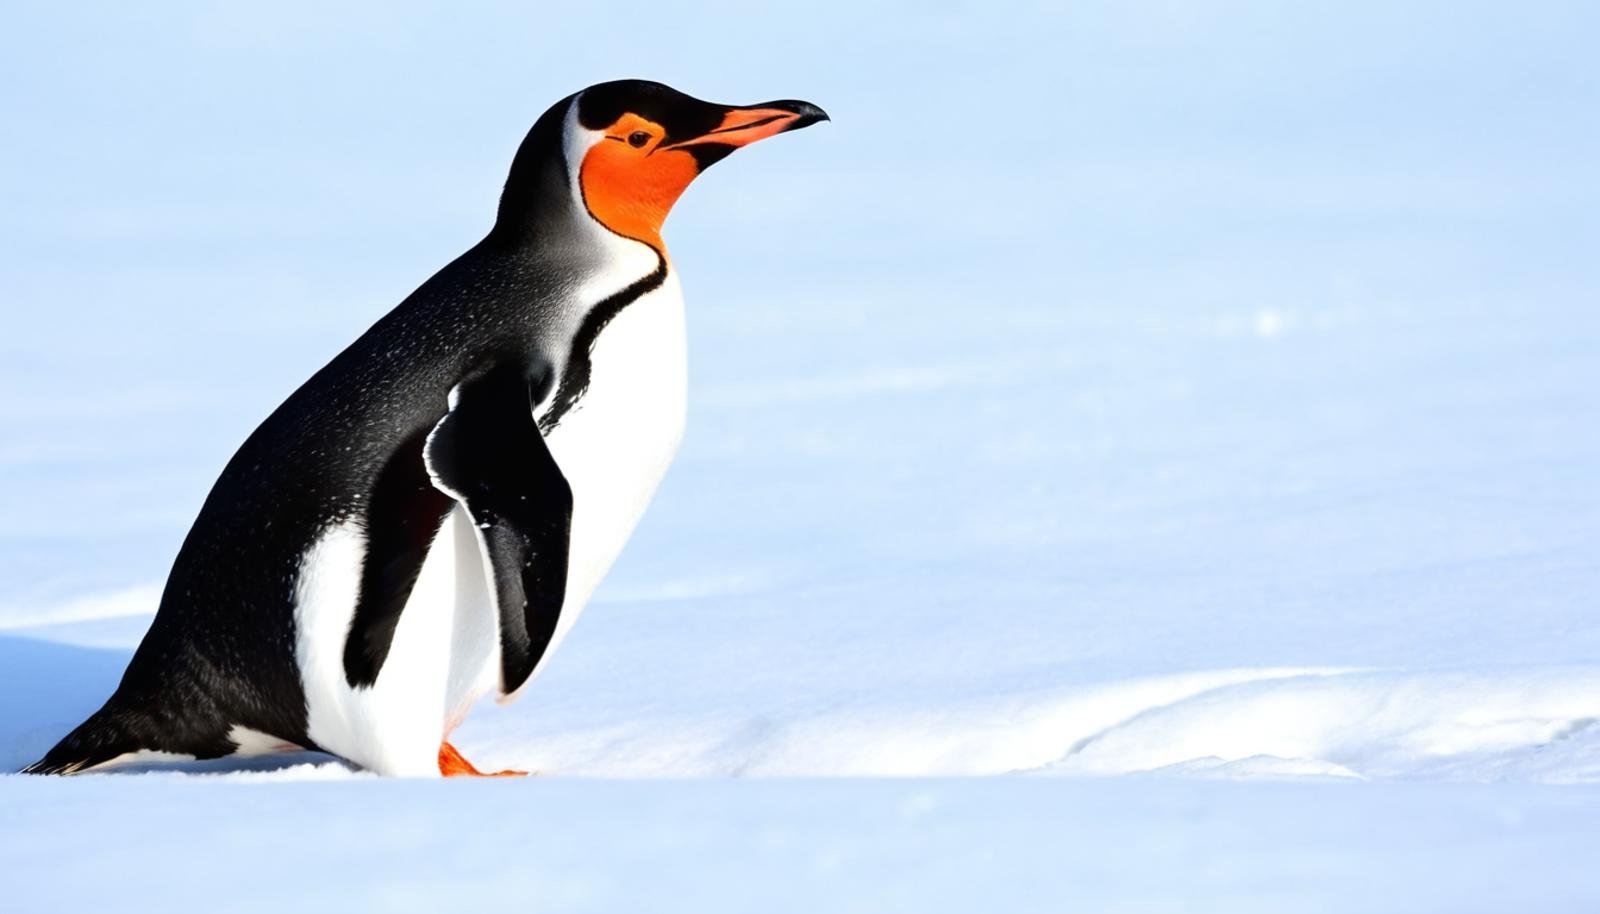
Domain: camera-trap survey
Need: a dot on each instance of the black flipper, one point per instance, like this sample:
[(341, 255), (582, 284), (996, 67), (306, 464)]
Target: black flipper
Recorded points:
[(404, 514), (488, 454)]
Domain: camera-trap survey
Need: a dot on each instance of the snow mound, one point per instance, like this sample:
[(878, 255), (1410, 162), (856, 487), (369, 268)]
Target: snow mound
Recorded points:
[(1535, 724), (119, 604), (1525, 724)]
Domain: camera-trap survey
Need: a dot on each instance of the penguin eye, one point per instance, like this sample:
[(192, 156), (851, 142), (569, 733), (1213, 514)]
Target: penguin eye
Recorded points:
[(638, 138)]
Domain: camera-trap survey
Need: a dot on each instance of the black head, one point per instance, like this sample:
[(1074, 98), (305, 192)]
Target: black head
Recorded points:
[(632, 146)]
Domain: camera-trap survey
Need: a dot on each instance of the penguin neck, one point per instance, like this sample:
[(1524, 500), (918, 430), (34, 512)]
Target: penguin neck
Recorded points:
[(556, 233), (536, 203), (535, 208)]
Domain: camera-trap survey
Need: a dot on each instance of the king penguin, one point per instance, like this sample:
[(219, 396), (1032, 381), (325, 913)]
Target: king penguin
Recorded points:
[(422, 521)]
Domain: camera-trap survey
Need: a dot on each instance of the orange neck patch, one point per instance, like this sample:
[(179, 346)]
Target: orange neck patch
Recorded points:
[(629, 184)]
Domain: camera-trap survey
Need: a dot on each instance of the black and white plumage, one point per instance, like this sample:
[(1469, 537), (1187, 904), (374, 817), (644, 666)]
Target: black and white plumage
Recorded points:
[(422, 521)]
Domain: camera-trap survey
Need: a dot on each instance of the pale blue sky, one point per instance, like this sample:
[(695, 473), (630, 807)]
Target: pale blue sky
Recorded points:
[(200, 203)]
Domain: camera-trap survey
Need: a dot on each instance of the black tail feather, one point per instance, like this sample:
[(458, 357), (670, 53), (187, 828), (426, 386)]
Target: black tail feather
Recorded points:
[(101, 738)]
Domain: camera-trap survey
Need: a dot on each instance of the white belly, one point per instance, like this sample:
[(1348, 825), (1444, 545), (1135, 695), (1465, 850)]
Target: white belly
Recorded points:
[(616, 443), (444, 653), (613, 447)]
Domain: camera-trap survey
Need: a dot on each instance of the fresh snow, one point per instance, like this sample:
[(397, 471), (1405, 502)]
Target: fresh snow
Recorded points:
[(1138, 460), (1133, 845)]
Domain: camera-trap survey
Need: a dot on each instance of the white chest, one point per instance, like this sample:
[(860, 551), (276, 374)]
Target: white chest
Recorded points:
[(615, 444)]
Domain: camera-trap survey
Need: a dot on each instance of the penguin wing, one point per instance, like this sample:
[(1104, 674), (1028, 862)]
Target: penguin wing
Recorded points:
[(488, 454)]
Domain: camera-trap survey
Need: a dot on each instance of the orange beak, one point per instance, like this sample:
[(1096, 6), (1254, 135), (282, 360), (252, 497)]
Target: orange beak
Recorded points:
[(743, 126)]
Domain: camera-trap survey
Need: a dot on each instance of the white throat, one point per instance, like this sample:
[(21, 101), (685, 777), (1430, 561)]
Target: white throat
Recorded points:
[(623, 260)]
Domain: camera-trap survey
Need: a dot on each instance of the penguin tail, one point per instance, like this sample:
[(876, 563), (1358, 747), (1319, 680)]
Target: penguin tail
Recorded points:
[(103, 737)]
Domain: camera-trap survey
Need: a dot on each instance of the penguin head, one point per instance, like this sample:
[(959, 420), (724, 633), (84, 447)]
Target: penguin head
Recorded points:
[(631, 147)]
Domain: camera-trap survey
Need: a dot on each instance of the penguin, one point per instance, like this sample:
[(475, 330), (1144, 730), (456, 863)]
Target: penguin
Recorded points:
[(422, 521)]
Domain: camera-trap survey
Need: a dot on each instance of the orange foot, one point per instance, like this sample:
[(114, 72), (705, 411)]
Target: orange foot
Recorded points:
[(451, 765)]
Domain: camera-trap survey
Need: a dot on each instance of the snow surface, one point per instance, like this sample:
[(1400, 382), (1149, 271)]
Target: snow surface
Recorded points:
[(1177, 450), (1134, 845)]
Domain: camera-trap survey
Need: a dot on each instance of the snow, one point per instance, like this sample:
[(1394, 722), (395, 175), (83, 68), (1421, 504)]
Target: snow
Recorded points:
[(1193, 504), (1127, 845)]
